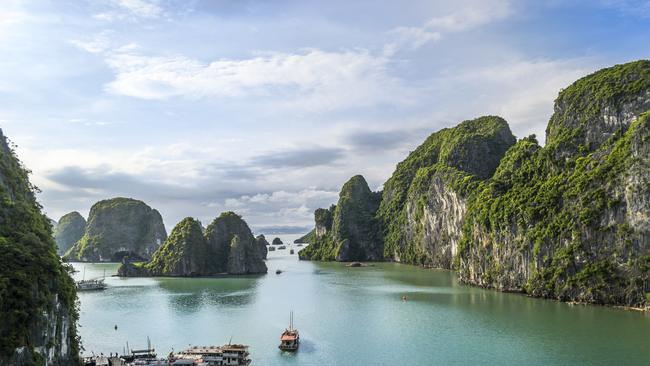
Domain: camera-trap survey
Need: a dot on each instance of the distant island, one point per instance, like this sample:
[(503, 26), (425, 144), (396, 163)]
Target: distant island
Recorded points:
[(568, 220), (116, 228), (226, 247)]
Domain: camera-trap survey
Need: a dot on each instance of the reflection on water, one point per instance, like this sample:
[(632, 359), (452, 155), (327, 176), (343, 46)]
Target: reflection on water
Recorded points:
[(357, 316), (192, 293)]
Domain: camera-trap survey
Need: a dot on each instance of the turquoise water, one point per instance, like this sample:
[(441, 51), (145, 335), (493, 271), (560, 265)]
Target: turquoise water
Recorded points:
[(355, 316)]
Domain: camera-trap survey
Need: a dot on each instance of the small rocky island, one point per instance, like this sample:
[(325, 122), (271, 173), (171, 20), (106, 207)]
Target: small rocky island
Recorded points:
[(227, 247), (116, 228), (277, 241), (69, 230)]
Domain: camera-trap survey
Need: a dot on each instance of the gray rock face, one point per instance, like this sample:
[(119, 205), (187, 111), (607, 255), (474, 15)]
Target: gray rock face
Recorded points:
[(69, 230), (262, 245), (119, 225), (570, 220), (436, 223), (424, 202), (324, 219)]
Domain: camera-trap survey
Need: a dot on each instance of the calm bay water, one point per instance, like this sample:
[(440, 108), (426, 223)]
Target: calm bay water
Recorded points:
[(355, 316)]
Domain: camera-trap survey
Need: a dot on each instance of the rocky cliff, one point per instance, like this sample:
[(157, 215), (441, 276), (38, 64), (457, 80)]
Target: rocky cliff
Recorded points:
[(37, 296), (262, 245), (226, 247), (69, 230), (424, 202), (348, 231), (119, 227), (570, 220)]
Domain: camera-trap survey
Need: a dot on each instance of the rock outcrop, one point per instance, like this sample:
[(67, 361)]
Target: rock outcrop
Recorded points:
[(262, 245), (226, 247), (119, 225), (37, 295), (424, 202), (348, 231), (277, 241), (68, 231), (570, 220)]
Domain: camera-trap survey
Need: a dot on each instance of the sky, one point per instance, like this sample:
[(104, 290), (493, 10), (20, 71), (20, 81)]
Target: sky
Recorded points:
[(266, 108)]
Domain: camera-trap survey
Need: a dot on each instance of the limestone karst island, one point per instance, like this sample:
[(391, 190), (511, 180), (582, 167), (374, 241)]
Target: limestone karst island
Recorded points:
[(313, 183)]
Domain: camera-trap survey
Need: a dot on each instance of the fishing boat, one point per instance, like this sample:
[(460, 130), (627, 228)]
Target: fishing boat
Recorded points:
[(228, 354), (290, 338), (92, 284)]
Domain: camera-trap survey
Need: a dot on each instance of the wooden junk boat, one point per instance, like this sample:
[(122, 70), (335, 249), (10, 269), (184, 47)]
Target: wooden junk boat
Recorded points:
[(290, 338), (91, 285)]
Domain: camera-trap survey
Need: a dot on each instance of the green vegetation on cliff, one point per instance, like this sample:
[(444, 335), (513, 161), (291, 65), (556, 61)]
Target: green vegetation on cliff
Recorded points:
[(460, 156), (69, 230), (559, 221), (307, 238), (119, 225), (185, 252), (348, 231), (37, 295), (227, 246)]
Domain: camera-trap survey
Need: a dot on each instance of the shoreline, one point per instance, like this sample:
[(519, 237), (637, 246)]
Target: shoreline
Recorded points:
[(643, 310)]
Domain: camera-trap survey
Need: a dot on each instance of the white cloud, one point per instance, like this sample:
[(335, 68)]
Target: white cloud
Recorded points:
[(315, 79), (141, 8), (522, 91), (131, 9), (472, 15), (96, 44)]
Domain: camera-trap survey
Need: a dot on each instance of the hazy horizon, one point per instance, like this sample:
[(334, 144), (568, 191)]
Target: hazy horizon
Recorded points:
[(266, 109)]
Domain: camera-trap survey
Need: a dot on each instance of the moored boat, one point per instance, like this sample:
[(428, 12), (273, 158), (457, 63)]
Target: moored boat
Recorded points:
[(229, 354)]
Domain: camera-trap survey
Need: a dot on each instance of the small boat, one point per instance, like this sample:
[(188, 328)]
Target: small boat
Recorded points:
[(278, 271), (91, 285), (290, 338)]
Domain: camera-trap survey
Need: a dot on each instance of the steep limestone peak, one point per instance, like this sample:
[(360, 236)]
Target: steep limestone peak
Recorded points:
[(120, 225), (69, 230), (592, 109)]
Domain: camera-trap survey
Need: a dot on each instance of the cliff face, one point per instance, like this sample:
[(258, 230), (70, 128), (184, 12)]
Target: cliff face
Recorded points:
[(262, 246), (570, 220), (69, 230), (348, 231), (227, 246), (37, 296), (424, 202), (119, 225)]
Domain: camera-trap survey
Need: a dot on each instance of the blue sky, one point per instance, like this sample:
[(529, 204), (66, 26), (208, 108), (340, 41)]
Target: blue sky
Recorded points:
[(268, 107)]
